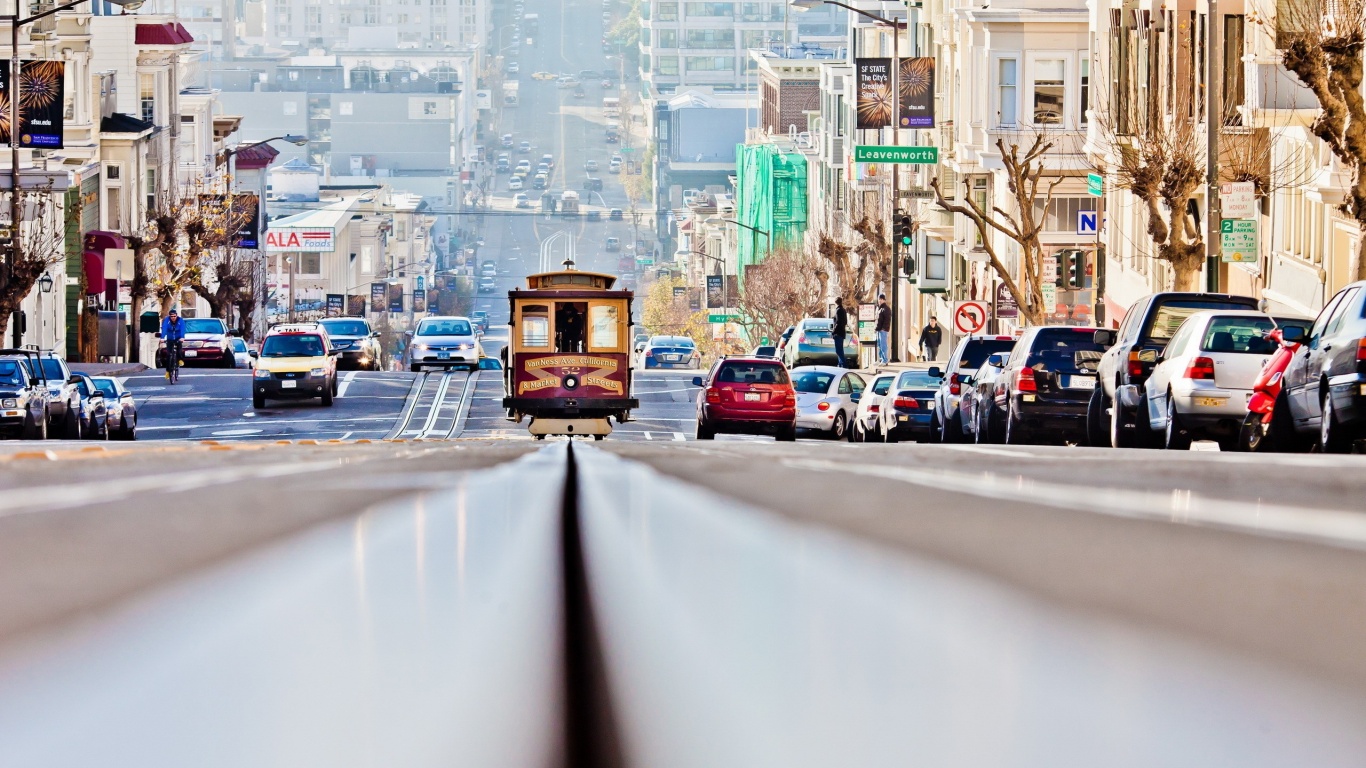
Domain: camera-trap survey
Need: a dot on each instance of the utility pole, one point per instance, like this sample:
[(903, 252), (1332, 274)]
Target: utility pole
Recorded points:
[(893, 352), (1214, 124)]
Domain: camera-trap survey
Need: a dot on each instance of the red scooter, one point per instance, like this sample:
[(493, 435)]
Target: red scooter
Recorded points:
[(1267, 427)]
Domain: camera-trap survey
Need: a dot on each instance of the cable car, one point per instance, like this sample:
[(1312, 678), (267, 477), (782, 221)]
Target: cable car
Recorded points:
[(567, 366)]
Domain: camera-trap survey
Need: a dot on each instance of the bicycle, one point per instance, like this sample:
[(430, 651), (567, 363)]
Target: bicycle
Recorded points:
[(173, 360)]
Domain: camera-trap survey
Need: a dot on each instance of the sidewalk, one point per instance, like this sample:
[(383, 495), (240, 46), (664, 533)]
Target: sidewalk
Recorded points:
[(108, 369)]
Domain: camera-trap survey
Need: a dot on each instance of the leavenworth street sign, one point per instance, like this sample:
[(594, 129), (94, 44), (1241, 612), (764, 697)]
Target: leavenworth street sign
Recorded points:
[(881, 154), (1095, 184)]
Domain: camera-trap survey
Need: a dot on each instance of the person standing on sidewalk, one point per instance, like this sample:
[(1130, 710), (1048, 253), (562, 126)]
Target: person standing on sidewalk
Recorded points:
[(884, 329), (839, 330), (930, 338)]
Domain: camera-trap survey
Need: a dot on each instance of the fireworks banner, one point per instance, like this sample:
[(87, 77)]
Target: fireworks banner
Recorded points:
[(917, 92), (875, 100), (355, 305), (42, 103)]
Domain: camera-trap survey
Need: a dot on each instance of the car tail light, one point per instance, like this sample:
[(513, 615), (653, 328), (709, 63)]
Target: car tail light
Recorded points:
[(1361, 350), (874, 408), (1200, 368), (790, 399), (713, 395), (904, 401), (801, 339), (1024, 380), (1135, 365), (955, 387), (823, 405)]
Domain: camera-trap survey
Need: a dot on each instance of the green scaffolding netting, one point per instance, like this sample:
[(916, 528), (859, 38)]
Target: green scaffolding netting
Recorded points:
[(771, 197)]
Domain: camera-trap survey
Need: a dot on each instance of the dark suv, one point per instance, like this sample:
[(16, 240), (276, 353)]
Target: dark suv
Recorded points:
[(946, 421), (746, 395), (1043, 390), (1325, 384), (23, 395), (1133, 353), (356, 342)]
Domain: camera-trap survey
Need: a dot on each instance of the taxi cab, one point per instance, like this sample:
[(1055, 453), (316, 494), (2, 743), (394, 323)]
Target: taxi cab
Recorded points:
[(297, 360)]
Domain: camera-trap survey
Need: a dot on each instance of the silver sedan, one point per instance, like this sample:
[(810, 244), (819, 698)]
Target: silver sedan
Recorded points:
[(826, 399)]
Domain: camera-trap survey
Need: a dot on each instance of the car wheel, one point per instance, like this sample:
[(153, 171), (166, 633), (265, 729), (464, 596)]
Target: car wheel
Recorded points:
[(1097, 430), (1176, 438), (1120, 435), (837, 429), (1014, 433), (704, 432), (1332, 436), (327, 396), (258, 402), (131, 433), (71, 427), (35, 431), (334, 385), (788, 435)]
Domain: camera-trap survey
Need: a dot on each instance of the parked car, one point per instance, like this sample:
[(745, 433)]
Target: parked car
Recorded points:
[(812, 344), (867, 426), (670, 352), (357, 343), (1133, 351), (94, 411), (783, 339), (907, 412), (122, 410), (826, 399), (746, 396), (970, 354), (63, 399), (976, 407), (1044, 389), (1202, 382), (241, 353), (443, 342), (1325, 385), (23, 396)]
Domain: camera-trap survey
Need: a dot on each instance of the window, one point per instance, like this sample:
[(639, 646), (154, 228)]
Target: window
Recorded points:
[(151, 189), (711, 38), (668, 38), (668, 12), (113, 172), (711, 63), (115, 213), (310, 264), (1085, 90), (712, 10), (1007, 84), (603, 322), (147, 96), (666, 65), (1063, 212), (187, 139), (1048, 91), (535, 326)]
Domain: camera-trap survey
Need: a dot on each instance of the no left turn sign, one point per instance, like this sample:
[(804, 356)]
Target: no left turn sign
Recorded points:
[(969, 317)]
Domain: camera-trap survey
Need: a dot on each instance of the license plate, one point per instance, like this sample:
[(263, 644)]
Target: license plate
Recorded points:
[(671, 358), (289, 384), (191, 353), (903, 418), (1363, 389), (443, 355), (751, 397), (825, 342), (1081, 382), (1211, 401)]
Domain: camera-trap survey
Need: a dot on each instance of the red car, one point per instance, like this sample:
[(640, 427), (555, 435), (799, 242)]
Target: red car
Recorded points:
[(746, 395)]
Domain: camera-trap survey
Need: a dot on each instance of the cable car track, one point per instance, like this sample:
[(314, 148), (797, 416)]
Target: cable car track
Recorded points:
[(432, 404)]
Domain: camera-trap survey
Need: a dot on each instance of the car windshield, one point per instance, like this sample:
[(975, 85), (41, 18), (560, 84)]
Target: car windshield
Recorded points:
[(11, 374), (346, 327), (916, 380), (881, 384), (812, 381), (52, 369), (751, 373), (204, 325), (978, 350), (1243, 335), (107, 387), (1172, 314), (444, 328), (293, 345), (238, 345), (1065, 350)]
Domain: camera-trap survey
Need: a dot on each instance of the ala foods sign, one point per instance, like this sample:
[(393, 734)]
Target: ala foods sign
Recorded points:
[(315, 240)]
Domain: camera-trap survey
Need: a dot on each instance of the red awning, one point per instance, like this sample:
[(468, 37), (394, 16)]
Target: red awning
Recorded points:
[(166, 33), (93, 263), (99, 240)]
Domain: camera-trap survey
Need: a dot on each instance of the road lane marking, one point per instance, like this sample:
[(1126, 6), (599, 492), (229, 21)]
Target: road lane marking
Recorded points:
[(1346, 528), (678, 437), (346, 435), (236, 432), (346, 383), (264, 421), (648, 436)]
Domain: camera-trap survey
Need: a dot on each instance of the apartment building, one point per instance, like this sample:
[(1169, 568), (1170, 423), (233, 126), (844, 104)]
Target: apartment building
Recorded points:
[(416, 23)]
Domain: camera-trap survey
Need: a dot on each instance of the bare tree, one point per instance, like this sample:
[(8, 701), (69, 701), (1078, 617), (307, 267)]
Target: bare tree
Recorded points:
[(1025, 180), (858, 270), (1321, 43), (223, 277), (788, 285), (41, 238)]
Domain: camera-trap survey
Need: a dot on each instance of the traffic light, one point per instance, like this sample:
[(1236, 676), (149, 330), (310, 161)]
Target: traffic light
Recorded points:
[(905, 231), (908, 265), (1076, 269)]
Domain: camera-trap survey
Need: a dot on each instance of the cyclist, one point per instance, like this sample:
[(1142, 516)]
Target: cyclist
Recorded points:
[(172, 333)]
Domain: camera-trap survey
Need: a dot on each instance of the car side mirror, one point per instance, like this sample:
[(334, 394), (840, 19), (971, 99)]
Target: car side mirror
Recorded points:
[(997, 360), (857, 396), (936, 372), (1293, 334), (408, 334), (253, 353), (697, 381), (73, 379), (1104, 337)]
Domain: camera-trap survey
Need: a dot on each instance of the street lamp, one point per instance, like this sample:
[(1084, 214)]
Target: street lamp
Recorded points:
[(897, 27), (44, 286), (16, 127)]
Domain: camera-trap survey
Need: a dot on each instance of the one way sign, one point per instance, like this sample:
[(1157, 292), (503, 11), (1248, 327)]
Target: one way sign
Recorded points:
[(1086, 222)]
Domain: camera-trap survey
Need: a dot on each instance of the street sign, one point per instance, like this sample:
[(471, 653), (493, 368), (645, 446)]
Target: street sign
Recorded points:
[(970, 317), (1238, 200), (1050, 296), (722, 318), (1006, 306), (881, 154), (1087, 222), (1095, 184), (916, 194), (1050, 268), (1238, 241)]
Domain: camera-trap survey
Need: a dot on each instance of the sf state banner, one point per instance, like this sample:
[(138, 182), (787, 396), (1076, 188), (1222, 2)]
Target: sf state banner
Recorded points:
[(916, 83), (42, 103), (875, 100)]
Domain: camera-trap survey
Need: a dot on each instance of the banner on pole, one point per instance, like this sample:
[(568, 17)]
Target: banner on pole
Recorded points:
[(42, 103), (875, 99), (917, 92)]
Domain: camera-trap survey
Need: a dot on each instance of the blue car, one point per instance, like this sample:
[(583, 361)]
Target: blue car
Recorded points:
[(670, 352), (907, 410)]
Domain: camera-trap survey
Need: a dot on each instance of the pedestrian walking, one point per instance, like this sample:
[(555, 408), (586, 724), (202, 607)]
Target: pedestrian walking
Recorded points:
[(839, 330), (884, 329), (930, 338)]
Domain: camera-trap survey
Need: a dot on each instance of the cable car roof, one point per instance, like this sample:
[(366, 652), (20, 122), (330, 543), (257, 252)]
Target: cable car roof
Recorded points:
[(570, 280)]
